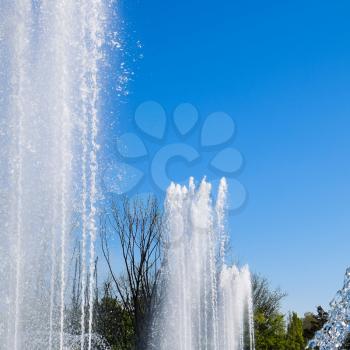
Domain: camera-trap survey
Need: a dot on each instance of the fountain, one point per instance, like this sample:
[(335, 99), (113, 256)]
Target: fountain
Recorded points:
[(49, 92), (334, 332), (50, 54), (206, 303)]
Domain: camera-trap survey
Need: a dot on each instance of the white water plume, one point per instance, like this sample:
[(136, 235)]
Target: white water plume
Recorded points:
[(207, 304), (50, 55)]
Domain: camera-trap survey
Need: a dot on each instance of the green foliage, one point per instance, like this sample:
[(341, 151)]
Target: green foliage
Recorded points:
[(270, 333), (113, 323), (313, 322), (122, 311), (295, 338)]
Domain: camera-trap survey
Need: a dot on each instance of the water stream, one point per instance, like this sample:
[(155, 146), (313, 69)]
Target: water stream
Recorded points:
[(207, 304), (49, 91)]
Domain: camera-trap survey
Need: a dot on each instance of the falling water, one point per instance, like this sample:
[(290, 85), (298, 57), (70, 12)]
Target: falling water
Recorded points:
[(337, 328), (207, 304), (50, 53), (236, 308)]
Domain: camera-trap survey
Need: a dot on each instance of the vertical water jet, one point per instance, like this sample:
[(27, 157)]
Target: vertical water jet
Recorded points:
[(50, 57), (206, 304)]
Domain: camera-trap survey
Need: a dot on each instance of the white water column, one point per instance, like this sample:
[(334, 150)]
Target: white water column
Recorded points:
[(50, 56), (207, 304)]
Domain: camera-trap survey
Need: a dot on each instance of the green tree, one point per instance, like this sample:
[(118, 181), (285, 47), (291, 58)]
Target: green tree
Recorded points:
[(270, 330), (295, 338), (112, 322), (313, 323)]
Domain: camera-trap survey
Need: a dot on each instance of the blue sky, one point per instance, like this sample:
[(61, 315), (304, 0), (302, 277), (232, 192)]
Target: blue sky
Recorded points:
[(281, 70)]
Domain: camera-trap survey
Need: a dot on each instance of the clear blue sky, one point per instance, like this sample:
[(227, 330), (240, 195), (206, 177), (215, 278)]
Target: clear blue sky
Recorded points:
[(281, 69)]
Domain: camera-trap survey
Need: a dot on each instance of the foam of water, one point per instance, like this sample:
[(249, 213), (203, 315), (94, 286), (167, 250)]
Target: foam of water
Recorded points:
[(207, 304), (337, 328), (49, 93)]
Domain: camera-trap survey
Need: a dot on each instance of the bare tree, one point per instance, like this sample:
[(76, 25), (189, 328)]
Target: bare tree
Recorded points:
[(137, 225), (265, 299)]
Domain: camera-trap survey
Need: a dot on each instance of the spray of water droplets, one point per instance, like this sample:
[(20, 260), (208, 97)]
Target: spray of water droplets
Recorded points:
[(335, 331), (207, 304), (51, 53)]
